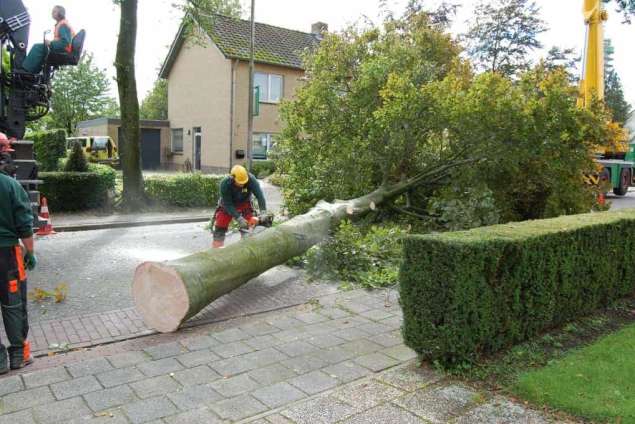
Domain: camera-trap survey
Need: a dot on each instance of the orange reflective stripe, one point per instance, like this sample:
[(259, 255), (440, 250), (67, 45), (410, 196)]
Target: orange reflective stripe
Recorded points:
[(13, 286), (26, 350), (20, 262), (60, 24)]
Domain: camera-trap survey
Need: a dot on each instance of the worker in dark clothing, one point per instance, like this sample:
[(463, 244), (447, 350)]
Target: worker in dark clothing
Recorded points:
[(16, 223), (236, 191), (62, 43)]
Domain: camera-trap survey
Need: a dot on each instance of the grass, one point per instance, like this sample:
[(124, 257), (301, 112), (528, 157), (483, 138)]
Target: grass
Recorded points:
[(595, 382)]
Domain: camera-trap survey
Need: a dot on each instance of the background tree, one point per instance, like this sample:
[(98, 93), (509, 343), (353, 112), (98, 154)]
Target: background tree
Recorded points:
[(129, 143), (79, 93), (565, 58), (613, 88), (198, 14), (76, 160), (626, 7), (502, 35), (155, 105)]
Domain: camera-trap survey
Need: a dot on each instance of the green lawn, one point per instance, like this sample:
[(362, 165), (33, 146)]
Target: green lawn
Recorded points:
[(595, 382)]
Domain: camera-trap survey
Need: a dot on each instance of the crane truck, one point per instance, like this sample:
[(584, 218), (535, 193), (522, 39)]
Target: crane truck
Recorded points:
[(617, 162), (25, 97)]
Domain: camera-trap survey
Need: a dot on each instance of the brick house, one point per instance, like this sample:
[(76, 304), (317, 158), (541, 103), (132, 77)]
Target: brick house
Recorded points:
[(208, 90)]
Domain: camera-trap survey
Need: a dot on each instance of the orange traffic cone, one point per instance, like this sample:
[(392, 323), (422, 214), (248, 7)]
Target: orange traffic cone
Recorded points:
[(601, 199), (47, 228)]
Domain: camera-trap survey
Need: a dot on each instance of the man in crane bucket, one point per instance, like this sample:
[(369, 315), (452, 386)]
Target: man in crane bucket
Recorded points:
[(236, 191), (16, 223), (62, 43)]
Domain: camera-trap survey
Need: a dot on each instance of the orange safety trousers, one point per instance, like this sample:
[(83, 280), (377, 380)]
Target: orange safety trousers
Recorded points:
[(13, 300)]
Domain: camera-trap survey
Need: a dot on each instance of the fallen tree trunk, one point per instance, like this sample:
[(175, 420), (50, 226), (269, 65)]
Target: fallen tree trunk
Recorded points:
[(168, 294)]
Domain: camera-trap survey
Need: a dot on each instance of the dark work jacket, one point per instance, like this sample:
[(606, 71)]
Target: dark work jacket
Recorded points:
[(231, 196), (16, 218)]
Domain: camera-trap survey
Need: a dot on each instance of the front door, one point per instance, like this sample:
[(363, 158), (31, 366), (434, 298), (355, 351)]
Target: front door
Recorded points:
[(198, 141)]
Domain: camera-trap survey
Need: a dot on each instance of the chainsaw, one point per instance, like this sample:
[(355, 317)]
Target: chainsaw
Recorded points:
[(264, 220)]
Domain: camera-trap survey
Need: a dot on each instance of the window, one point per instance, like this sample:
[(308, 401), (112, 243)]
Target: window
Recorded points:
[(177, 140), (262, 145), (270, 86)]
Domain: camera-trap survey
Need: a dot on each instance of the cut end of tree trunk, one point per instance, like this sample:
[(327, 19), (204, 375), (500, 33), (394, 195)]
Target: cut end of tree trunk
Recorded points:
[(160, 296)]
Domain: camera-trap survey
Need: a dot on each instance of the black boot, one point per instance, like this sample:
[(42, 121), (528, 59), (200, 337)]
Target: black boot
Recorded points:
[(20, 358)]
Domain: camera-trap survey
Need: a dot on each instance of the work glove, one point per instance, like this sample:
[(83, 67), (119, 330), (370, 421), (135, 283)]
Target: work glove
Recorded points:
[(243, 224), (30, 261)]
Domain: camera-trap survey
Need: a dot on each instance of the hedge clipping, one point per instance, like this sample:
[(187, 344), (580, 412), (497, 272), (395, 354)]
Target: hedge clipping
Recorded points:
[(470, 294)]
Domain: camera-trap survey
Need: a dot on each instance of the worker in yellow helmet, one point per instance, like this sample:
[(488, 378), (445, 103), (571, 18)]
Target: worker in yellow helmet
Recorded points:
[(236, 191)]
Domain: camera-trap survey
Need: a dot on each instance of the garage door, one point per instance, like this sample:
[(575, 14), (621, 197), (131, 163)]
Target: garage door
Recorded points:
[(150, 148)]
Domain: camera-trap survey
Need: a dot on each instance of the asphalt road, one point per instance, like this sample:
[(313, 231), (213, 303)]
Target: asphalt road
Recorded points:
[(97, 266), (625, 202)]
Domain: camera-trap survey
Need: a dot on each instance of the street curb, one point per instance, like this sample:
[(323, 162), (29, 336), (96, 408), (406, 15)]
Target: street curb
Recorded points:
[(129, 224)]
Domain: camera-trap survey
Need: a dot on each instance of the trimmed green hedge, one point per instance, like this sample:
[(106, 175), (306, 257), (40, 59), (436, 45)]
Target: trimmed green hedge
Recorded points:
[(470, 294), (184, 190), (75, 191), (49, 147), (263, 168)]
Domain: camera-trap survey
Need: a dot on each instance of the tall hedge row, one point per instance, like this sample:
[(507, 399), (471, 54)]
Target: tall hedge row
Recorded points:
[(49, 147), (184, 190), (471, 294), (75, 191)]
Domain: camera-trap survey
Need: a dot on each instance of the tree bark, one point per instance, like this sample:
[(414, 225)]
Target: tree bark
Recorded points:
[(129, 145), (168, 294)]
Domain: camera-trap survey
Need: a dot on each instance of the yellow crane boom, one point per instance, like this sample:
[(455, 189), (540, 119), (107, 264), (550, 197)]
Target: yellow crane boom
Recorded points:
[(592, 84)]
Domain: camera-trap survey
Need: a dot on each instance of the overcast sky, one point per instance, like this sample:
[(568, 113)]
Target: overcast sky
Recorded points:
[(159, 21)]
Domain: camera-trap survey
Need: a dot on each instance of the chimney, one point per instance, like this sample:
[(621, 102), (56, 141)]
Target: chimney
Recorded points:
[(319, 29)]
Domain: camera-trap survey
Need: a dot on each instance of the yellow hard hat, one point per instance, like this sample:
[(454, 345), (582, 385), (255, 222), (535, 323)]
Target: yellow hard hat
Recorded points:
[(240, 174)]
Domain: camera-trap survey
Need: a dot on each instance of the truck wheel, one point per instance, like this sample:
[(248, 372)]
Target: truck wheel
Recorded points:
[(625, 182)]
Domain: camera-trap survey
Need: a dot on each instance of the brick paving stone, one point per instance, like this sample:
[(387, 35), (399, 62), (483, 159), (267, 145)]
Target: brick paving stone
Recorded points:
[(22, 417), (375, 328), (350, 334), (305, 364), (235, 386), (334, 313), (385, 414), (231, 335), (155, 386), (195, 397), (119, 376), (61, 412), (10, 385), (292, 334), (26, 399), (311, 317), (160, 367), (263, 342), (199, 343), (347, 371), (314, 382), (354, 307), (439, 405), (198, 416), (401, 353), (150, 409), (386, 339), (376, 361), (376, 314), (232, 366), (197, 375), (115, 416), (238, 408), (128, 359), (278, 395), (501, 411), (323, 409), (277, 419), (367, 394), (91, 366), (196, 358), (410, 377), (296, 348), (335, 355), (230, 350), (285, 322), (165, 350), (44, 377), (324, 341), (110, 398), (259, 329), (75, 387), (272, 374), (361, 347), (262, 358)]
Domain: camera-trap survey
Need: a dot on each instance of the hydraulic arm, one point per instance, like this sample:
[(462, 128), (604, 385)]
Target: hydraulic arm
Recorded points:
[(592, 84)]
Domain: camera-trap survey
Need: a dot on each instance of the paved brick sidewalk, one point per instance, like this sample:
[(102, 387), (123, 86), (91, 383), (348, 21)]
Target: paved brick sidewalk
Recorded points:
[(339, 361), (278, 288)]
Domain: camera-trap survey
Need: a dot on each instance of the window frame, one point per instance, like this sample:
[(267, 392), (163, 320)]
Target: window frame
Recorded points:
[(177, 152), (267, 89)]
